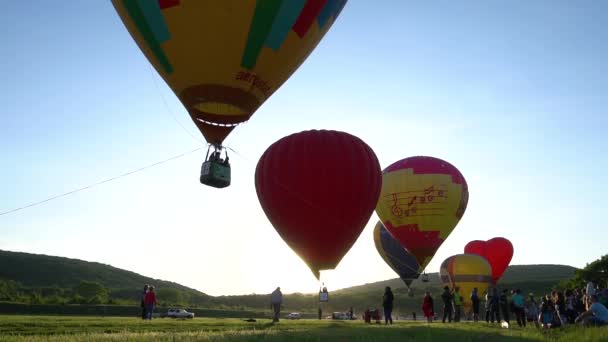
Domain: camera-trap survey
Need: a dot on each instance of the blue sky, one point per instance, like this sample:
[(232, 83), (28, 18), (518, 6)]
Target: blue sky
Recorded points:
[(514, 94)]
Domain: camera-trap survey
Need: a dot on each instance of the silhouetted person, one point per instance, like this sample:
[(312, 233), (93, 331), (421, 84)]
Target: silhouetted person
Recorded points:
[(475, 303), (446, 296), (143, 304), (276, 299), (387, 303), (504, 305)]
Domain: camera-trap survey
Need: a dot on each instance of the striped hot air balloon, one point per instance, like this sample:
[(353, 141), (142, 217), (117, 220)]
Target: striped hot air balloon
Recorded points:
[(224, 58), (466, 271), (397, 257), (421, 202)]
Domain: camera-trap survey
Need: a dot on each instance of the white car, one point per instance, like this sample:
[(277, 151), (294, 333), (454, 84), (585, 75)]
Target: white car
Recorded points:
[(294, 315), (179, 313), (340, 315)]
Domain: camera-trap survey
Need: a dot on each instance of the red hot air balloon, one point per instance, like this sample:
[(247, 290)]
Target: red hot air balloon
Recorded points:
[(319, 188), (498, 251), (476, 247)]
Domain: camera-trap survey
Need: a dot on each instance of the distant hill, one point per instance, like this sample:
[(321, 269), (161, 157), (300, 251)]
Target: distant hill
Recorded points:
[(525, 275), (43, 271), (40, 274)]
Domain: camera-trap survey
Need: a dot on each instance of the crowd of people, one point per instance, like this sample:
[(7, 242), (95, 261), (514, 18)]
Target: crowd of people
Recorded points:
[(586, 306)]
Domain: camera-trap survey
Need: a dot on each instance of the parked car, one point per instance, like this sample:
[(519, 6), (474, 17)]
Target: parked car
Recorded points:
[(179, 313), (340, 315), (294, 315)]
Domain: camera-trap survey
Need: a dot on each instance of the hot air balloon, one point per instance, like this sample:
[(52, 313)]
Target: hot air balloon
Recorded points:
[(223, 59), (498, 251), (318, 189), (397, 257), (422, 200), (466, 271)]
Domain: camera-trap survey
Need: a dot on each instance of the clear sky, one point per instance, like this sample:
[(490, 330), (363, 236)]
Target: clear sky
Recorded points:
[(514, 94)]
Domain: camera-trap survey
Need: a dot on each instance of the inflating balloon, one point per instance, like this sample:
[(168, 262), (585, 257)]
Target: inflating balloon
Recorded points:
[(466, 271), (318, 189), (397, 257), (422, 200), (224, 58), (498, 251)]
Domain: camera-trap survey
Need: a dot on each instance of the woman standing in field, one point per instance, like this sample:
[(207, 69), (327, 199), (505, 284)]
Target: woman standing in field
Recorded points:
[(428, 307), (150, 301)]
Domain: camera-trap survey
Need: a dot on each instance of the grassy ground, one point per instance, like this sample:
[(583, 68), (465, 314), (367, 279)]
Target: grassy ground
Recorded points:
[(55, 328)]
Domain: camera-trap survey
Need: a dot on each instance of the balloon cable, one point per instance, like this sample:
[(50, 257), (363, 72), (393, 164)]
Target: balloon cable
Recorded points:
[(98, 183), (152, 74)]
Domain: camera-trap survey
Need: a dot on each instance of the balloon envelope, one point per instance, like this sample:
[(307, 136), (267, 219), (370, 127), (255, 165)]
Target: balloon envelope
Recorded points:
[(397, 257), (498, 251), (422, 200), (318, 189), (467, 271), (224, 58)]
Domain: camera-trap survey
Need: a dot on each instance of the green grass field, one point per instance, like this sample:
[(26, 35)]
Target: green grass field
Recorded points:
[(64, 328)]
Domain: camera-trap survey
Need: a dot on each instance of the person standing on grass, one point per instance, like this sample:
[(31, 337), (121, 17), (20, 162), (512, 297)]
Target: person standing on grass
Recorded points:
[(143, 304), (494, 306), (503, 300), (276, 299), (150, 301), (532, 307), (590, 291), (475, 303), (457, 304), (518, 307), (448, 309), (387, 303), (428, 307)]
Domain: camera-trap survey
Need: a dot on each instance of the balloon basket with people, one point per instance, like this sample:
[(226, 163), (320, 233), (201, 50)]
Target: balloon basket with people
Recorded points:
[(215, 170)]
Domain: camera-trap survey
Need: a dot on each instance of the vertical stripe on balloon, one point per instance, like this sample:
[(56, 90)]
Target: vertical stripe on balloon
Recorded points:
[(287, 16), (155, 19), (261, 24), (139, 18), (332, 9), (307, 16), (167, 3)]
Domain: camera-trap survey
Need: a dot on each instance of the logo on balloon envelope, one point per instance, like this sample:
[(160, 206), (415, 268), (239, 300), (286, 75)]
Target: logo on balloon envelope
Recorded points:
[(421, 202), (318, 189)]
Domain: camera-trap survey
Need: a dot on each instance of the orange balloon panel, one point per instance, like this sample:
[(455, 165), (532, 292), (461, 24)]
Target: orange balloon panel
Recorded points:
[(224, 58), (422, 200)]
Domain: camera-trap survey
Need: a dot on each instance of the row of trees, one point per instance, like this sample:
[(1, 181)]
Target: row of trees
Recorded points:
[(87, 292), (90, 292), (596, 271)]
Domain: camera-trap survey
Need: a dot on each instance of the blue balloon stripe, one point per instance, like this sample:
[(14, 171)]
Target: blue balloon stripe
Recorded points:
[(398, 258), (288, 14), (331, 9), (154, 18)]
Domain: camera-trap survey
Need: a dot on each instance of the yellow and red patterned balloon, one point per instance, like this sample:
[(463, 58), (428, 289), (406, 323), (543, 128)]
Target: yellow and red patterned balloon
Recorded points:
[(421, 202), (466, 271), (224, 58)]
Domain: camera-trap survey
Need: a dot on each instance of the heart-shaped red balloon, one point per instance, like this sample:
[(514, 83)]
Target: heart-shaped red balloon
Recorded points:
[(498, 251)]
